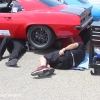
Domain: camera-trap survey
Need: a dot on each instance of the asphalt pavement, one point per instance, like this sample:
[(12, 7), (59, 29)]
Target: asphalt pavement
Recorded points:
[(16, 83)]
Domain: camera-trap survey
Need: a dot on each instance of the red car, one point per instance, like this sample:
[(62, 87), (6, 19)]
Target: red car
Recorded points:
[(42, 21)]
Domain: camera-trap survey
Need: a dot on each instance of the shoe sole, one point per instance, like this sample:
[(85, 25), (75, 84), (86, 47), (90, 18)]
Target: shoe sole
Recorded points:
[(39, 72), (12, 62), (51, 71)]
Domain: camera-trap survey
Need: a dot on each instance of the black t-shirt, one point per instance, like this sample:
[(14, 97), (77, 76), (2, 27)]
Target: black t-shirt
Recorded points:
[(65, 61), (79, 54)]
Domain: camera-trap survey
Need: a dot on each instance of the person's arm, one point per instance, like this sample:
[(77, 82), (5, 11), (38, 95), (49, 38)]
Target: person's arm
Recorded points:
[(69, 47)]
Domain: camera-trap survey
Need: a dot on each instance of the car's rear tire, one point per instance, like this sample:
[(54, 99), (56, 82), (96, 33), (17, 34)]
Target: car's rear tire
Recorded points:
[(41, 37)]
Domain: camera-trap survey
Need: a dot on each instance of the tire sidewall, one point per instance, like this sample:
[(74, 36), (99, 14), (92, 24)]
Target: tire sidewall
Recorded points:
[(50, 41)]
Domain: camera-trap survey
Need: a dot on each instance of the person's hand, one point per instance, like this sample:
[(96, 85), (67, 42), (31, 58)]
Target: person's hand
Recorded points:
[(61, 52)]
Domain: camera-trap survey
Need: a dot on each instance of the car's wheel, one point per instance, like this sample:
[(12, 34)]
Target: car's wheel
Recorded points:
[(41, 37)]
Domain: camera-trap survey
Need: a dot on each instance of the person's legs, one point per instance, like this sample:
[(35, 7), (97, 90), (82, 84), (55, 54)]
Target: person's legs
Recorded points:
[(44, 69), (43, 61), (10, 46), (85, 35), (7, 41), (1, 40), (18, 50)]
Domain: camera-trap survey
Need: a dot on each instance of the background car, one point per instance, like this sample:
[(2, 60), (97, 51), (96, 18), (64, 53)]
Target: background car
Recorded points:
[(42, 21), (85, 3), (94, 2)]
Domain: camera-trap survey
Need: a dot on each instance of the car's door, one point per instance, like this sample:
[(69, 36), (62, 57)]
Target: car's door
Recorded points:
[(5, 22), (18, 20)]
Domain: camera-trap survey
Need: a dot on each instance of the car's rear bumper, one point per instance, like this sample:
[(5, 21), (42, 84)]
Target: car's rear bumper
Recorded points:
[(88, 22)]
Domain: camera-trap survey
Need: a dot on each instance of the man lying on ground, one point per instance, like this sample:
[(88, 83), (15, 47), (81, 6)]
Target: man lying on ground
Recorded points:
[(16, 47), (72, 55)]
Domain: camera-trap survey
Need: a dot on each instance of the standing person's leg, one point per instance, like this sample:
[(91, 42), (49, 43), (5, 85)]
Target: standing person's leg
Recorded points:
[(7, 41), (18, 50)]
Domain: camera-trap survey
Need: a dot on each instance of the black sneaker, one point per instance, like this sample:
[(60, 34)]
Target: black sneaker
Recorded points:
[(12, 62), (49, 72), (40, 70)]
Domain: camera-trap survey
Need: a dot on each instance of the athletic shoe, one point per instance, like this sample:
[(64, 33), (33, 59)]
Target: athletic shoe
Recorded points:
[(40, 70), (50, 72), (12, 62)]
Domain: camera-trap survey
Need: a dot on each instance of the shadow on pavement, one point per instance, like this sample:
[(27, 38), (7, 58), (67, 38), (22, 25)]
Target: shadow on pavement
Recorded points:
[(45, 51), (49, 76)]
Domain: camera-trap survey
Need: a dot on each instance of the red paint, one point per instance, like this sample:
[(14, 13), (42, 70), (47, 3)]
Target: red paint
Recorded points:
[(37, 13)]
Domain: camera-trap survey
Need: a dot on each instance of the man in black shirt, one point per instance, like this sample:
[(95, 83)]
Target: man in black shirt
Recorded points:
[(16, 47), (72, 55)]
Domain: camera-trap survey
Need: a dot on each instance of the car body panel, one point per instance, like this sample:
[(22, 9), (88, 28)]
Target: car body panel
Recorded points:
[(96, 12), (80, 3), (5, 22), (83, 3), (63, 24)]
